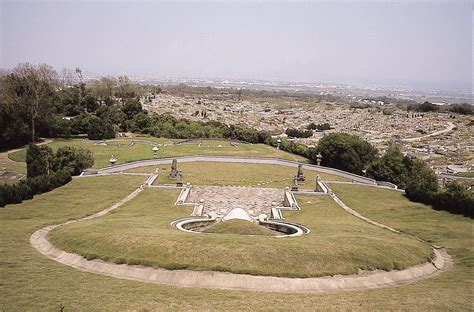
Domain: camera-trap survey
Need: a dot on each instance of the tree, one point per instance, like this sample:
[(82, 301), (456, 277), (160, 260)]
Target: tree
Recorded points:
[(38, 160), (74, 160), (141, 121), (104, 88), (111, 114), (100, 129), (390, 167), (131, 107), (29, 87), (345, 151), (422, 182), (126, 89), (455, 199)]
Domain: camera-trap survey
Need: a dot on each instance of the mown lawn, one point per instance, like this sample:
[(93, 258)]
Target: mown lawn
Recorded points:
[(140, 232), (125, 151), (31, 282), (242, 174)]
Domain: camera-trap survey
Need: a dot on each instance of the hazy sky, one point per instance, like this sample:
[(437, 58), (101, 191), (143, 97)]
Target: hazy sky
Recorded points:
[(423, 44)]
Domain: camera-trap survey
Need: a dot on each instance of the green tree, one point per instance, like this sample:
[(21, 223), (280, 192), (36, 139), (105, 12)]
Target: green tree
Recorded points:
[(131, 107), (390, 167), (422, 182), (100, 129), (345, 151), (27, 88), (103, 89), (141, 121), (72, 159), (38, 160)]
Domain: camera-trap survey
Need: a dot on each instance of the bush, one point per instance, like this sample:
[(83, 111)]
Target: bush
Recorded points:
[(455, 199), (73, 159), (291, 147), (295, 133), (100, 130), (23, 190), (422, 182), (344, 151), (320, 127), (390, 167), (38, 159), (463, 109)]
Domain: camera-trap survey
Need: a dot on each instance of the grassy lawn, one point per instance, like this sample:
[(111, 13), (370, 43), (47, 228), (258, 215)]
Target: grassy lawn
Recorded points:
[(140, 232), (242, 174), (31, 282), (125, 152), (10, 165)]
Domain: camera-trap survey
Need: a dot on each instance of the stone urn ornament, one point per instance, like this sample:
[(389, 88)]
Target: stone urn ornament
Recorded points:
[(113, 160)]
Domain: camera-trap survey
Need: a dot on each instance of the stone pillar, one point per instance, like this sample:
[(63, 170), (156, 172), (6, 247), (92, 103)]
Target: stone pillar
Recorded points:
[(174, 169), (294, 188), (300, 174)]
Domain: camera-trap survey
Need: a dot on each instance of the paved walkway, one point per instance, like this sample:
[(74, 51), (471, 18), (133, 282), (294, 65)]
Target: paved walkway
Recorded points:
[(232, 281), (234, 159)]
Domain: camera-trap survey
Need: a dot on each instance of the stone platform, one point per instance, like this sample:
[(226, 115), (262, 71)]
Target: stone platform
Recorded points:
[(220, 200)]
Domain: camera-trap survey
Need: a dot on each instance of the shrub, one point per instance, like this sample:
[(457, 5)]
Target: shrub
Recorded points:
[(344, 151), (100, 129), (295, 133), (73, 159), (38, 160), (320, 127), (23, 190), (455, 199)]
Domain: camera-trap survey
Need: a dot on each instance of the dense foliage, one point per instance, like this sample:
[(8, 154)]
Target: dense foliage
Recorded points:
[(295, 133), (345, 151), (35, 101), (170, 127), (455, 199), (26, 189), (72, 159), (464, 108), (41, 160), (420, 182), (390, 167), (320, 127), (46, 170), (292, 147)]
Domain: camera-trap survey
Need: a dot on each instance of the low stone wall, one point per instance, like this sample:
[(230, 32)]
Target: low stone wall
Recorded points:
[(196, 225), (288, 230), (387, 184)]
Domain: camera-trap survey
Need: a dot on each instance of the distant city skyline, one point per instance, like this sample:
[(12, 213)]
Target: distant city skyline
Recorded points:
[(424, 45)]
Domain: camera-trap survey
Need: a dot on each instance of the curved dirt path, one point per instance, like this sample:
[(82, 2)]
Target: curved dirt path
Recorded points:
[(232, 281), (449, 128)]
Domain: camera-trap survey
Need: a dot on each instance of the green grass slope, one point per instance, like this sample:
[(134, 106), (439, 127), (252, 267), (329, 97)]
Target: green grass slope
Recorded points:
[(141, 150), (32, 282), (140, 233)]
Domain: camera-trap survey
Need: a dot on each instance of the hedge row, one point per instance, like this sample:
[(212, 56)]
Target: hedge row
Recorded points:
[(26, 189), (454, 199)]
